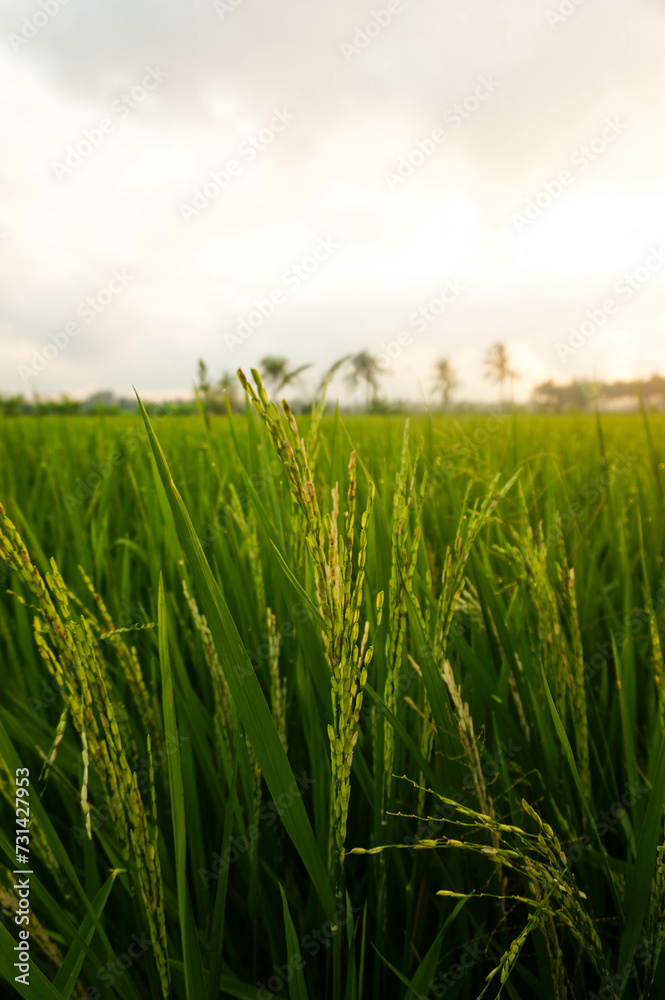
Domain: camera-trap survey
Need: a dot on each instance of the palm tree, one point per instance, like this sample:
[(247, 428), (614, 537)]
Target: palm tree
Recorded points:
[(275, 371), (445, 380), (364, 368), (497, 367)]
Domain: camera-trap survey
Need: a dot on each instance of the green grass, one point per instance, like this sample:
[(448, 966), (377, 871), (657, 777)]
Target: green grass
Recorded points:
[(326, 745)]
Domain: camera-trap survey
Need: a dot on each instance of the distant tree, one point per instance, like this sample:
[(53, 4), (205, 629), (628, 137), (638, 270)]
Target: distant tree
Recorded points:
[(212, 395), (546, 396), (104, 402), (382, 405), (12, 406), (559, 398), (364, 368), (654, 390), (275, 371), (497, 367), (583, 394), (445, 380), (203, 380), (67, 407)]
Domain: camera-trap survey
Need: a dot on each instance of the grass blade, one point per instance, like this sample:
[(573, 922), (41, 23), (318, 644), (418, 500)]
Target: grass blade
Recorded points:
[(244, 686), (194, 983), (639, 886), (297, 987), (68, 972)]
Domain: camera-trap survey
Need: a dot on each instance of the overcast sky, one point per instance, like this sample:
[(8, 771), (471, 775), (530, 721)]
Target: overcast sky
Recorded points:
[(420, 179)]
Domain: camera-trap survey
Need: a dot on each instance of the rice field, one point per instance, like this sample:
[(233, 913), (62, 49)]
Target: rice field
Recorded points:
[(333, 708)]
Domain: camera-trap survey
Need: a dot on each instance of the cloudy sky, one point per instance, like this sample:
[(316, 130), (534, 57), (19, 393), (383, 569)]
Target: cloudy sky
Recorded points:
[(238, 178)]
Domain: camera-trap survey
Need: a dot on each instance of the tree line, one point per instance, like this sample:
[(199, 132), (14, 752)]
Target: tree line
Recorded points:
[(362, 374)]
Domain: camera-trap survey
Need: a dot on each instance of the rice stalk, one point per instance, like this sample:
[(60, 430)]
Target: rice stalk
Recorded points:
[(407, 500), (72, 655), (339, 572)]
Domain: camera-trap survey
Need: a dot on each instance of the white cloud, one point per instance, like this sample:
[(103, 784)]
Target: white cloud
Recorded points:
[(325, 175)]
